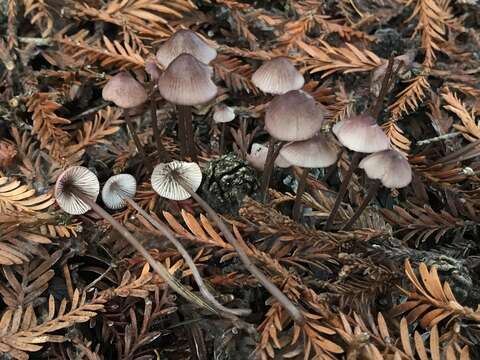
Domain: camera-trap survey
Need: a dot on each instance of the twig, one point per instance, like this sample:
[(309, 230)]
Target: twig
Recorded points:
[(438, 138)]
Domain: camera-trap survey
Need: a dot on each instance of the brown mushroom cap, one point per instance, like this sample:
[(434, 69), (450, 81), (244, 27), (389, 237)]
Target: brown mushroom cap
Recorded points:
[(313, 153), (294, 116), (115, 190), (77, 178), (123, 90), (362, 134), (185, 42), (388, 166), (258, 156), (277, 76), (187, 81), (223, 114), (164, 182)]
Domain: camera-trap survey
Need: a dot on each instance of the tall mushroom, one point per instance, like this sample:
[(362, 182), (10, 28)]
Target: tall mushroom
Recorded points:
[(76, 192), (222, 115), (293, 116), (126, 93), (316, 152), (173, 180), (187, 82), (388, 168), (118, 192)]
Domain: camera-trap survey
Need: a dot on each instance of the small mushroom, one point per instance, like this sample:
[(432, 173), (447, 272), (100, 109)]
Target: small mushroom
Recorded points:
[(258, 156), (187, 82), (118, 191), (221, 115), (293, 116), (388, 168), (177, 179), (76, 191), (126, 92), (316, 152), (277, 76), (185, 42)]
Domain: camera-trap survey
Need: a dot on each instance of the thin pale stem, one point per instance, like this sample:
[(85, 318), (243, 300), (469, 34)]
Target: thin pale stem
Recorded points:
[(187, 118), (298, 198), (294, 312), (182, 132), (164, 230), (372, 191), (136, 140), (343, 189), (156, 266)]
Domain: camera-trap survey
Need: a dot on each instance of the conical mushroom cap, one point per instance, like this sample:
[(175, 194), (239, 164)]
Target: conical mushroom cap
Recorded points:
[(361, 134), (313, 153), (388, 166), (258, 156), (294, 116), (116, 189), (277, 76), (164, 183), (80, 179), (223, 114), (187, 81), (124, 91), (185, 42)]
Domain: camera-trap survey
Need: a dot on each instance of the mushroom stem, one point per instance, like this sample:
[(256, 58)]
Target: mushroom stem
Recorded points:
[(185, 113), (343, 189), (136, 140), (182, 131), (223, 130), (157, 266), (164, 230), (294, 312), (372, 191), (162, 154), (332, 168), (300, 190), (273, 151), (375, 111)]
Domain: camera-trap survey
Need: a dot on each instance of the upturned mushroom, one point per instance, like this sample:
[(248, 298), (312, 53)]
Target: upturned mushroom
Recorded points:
[(222, 115), (316, 152), (388, 168), (126, 93), (118, 191), (181, 178), (293, 116), (187, 82), (76, 192)]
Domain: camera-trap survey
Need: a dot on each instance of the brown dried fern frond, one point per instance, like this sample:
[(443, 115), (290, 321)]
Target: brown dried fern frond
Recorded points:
[(469, 127), (147, 17), (8, 151), (12, 8), (410, 98), (107, 53), (41, 15), (347, 59), (235, 73), (431, 303), (17, 197), (422, 223), (395, 134), (46, 124)]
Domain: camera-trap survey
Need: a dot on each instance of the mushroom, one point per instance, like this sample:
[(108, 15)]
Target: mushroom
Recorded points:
[(293, 116), (76, 192), (185, 42), (184, 180), (361, 134), (118, 192), (316, 152), (187, 82), (126, 92), (165, 179), (258, 156), (388, 168), (223, 114), (277, 76)]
